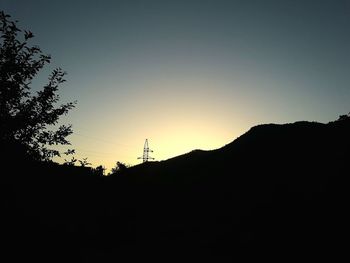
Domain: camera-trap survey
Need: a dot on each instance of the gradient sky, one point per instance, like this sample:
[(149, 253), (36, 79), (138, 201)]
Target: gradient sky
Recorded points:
[(189, 74)]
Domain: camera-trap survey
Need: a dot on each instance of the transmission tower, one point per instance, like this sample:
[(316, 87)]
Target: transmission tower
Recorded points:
[(146, 151)]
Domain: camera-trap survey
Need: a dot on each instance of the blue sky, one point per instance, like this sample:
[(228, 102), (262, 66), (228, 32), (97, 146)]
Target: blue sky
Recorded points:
[(189, 74)]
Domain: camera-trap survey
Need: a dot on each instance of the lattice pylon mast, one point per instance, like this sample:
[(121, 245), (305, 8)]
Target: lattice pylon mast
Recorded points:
[(146, 151)]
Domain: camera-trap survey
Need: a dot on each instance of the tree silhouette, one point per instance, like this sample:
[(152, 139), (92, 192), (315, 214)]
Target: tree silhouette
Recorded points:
[(119, 168), (344, 117), (99, 170), (28, 119)]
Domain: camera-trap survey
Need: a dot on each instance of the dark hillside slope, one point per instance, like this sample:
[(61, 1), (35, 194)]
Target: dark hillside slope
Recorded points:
[(274, 186), (277, 189), (266, 153)]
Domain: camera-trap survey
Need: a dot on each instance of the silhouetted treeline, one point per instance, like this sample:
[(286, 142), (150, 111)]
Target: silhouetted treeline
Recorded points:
[(276, 191)]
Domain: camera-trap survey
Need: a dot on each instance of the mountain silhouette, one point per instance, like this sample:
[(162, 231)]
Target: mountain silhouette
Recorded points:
[(279, 190)]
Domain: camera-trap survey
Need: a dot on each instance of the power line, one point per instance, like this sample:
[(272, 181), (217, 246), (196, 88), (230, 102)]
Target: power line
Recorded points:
[(94, 152), (109, 142)]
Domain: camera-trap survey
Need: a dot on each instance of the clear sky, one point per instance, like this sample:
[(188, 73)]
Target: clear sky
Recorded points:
[(189, 74)]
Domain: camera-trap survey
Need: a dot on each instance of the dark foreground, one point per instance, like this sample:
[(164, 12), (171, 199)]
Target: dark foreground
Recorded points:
[(277, 192)]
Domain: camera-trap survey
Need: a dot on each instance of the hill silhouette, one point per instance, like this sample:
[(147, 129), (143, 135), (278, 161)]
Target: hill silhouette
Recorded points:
[(276, 191)]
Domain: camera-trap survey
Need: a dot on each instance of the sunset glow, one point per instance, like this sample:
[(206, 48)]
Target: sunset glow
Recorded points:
[(189, 74)]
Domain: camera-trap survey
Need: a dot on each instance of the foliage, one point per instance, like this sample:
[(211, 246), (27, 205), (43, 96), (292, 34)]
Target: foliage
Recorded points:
[(344, 117), (25, 118), (99, 170), (84, 162), (70, 162), (119, 168)]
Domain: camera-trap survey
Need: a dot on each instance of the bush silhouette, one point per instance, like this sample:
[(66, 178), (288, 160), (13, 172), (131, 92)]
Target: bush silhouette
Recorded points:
[(344, 117), (119, 168), (26, 119), (99, 170)]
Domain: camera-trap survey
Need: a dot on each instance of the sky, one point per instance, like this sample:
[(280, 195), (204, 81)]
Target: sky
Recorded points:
[(188, 74)]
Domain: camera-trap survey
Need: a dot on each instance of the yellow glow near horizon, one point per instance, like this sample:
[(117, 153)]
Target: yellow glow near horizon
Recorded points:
[(165, 140), (175, 116)]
